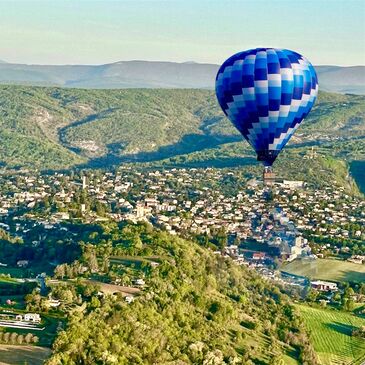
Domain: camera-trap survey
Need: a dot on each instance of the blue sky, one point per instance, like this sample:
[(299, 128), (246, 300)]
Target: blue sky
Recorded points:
[(102, 31)]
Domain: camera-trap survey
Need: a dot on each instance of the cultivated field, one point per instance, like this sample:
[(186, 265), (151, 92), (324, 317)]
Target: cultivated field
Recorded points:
[(330, 332), (16, 355), (327, 269)]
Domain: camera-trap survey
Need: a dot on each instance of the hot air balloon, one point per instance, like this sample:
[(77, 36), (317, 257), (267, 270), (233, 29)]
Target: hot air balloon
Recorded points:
[(266, 93)]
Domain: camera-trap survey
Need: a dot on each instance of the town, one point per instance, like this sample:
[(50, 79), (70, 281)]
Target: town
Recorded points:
[(189, 200)]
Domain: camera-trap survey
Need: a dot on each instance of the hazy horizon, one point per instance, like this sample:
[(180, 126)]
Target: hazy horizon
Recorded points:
[(4, 61), (102, 32)]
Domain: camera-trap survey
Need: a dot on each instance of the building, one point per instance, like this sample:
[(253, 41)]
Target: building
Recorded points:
[(324, 285), (28, 317), (32, 317), (129, 299), (142, 211), (293, 184), (53, 303), (84, 183), (139, 282), (22, 263), (258, 256)]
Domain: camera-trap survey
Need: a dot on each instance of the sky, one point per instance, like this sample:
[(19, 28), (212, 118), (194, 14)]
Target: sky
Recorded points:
[(102, 31)]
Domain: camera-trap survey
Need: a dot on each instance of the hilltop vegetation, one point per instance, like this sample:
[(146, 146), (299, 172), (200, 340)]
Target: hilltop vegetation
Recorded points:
[(198, 308), (53, 128)]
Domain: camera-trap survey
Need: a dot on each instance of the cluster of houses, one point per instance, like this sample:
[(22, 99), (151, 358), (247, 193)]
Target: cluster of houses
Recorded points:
[(183, 200), (324, 286), (27, 317)]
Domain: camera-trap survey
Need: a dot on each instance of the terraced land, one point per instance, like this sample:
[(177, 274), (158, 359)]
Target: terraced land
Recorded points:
[(330, 332)]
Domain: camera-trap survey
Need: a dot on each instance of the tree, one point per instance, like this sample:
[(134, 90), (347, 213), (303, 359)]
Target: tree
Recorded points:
[(6, 337), (221, 238), (312, 295), (20, 339), (66, 296), (349, 292), (137, 242), (60, 271), (28, 338), (95, 303), (13, 337), (336, 297), (348, 304), (362, 289), (90, 258)]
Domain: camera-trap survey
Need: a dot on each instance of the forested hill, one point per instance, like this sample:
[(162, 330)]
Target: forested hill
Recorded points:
[(197, 308), (54, 128)]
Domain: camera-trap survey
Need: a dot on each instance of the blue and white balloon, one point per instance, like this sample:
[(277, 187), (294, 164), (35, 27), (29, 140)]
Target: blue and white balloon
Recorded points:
[(266, 93)]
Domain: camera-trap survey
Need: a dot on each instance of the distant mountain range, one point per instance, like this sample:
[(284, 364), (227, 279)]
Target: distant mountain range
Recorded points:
[(147, 74)]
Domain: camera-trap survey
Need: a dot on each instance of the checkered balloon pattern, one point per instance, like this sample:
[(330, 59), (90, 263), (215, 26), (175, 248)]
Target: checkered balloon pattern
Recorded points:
[(266, 93)]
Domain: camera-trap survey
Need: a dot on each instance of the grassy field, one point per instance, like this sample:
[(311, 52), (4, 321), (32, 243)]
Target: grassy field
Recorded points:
[(327, 269), (330, 332), (16, 355)]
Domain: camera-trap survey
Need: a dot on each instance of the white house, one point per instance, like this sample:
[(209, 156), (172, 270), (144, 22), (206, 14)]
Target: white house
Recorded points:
[(140, 282), (32, 317), (324, 285)]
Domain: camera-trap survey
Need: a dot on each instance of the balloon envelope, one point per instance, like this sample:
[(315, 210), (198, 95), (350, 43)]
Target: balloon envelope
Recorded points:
[(266, 93)]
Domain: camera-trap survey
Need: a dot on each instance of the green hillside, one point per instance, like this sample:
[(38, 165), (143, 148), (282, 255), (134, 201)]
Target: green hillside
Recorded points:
[(198, 309), (53, 128)]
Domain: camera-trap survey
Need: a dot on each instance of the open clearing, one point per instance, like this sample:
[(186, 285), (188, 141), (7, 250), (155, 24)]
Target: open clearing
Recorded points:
[(16, 355), (330, 331), (327, 269), (111, 288)]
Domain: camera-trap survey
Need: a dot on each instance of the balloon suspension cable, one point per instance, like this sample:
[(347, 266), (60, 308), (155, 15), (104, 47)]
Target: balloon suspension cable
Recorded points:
[(269, 180), (268, 176)]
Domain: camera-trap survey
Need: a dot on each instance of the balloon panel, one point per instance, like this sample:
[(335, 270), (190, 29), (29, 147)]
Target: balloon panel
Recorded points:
[(266, 93)]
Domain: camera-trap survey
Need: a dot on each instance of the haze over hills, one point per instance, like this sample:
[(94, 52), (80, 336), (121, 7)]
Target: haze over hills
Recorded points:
[(147, 74)]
